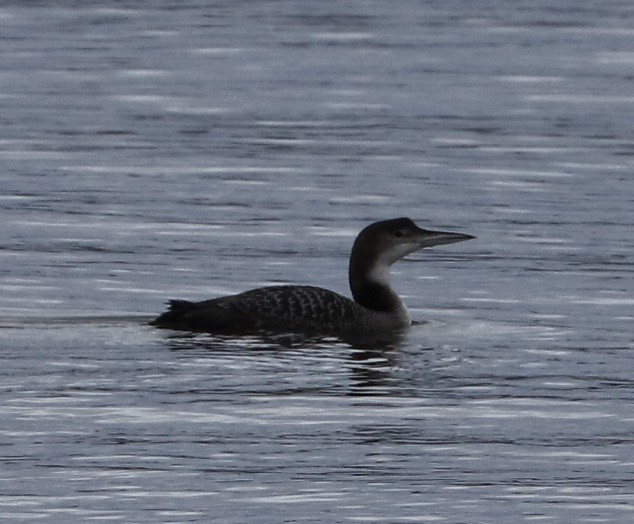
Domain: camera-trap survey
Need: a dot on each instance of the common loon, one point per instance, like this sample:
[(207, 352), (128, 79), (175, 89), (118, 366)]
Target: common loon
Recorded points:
[(376, 307)]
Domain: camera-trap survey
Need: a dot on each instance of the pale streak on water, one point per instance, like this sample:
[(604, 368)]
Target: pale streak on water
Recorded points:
[(189, 151)]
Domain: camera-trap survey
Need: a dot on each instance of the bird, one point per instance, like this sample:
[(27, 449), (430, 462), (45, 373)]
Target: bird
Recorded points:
[(375, 308)]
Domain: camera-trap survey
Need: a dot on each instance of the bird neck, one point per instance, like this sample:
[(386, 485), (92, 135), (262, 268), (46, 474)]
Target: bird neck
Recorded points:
[(370, 285)]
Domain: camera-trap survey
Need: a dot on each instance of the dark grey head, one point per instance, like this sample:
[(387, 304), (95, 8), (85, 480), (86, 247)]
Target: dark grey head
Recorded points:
[(387, 241)]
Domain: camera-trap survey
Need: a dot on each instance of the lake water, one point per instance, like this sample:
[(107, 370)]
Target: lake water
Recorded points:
[(201, 148)]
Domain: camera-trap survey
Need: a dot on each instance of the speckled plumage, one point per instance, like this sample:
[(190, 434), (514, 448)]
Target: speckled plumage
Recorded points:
[(306, 309), (376, 307)]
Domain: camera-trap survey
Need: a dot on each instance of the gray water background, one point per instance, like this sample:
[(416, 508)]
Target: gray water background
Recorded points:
[(192, 149)]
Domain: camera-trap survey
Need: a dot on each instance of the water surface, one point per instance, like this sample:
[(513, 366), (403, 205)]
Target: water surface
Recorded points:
[(191, 151)]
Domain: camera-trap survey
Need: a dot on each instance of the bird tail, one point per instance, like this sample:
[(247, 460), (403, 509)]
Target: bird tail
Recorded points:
[(175, 309)]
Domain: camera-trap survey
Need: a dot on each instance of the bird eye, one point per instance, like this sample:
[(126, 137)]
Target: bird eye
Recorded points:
[(399, 233)]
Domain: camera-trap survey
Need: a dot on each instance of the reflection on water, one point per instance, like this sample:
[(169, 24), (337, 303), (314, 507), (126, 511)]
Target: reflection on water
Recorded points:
[(112, 410), (173, 150)]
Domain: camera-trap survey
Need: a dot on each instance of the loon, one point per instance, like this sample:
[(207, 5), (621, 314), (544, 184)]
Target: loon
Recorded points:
[(376, 307)]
